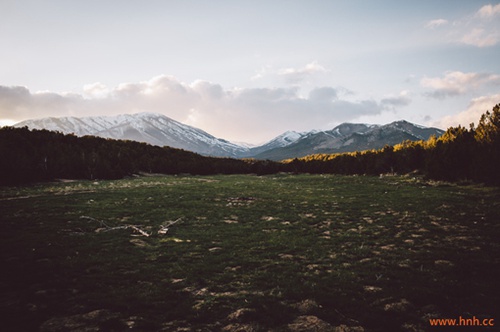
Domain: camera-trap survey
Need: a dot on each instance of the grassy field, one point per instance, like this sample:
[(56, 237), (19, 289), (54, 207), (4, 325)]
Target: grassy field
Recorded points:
[(248, 253)]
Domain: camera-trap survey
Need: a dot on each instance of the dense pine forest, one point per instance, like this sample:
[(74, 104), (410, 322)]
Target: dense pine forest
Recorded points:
[(41, 155), (461, 154)]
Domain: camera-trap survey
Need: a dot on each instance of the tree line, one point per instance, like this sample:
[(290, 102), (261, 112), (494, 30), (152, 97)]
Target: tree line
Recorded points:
[(461, 153), (29, 156)]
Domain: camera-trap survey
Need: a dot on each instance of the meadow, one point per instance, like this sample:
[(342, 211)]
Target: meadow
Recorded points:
[(279, 252)]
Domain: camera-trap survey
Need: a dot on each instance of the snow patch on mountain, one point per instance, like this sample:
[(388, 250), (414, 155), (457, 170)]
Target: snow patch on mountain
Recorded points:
[(155, 129)]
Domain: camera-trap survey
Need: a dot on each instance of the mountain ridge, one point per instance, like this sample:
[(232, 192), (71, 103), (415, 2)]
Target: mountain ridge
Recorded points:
[(350, 137), (155, 129), (158, 129)]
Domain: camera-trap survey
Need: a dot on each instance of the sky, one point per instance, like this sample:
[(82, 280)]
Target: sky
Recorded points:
[(247, 71)]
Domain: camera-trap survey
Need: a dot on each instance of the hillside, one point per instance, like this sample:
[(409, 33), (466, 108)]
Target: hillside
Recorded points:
[(351, 137), (159, 130), (40, 155), (460, 154), (154, 129)]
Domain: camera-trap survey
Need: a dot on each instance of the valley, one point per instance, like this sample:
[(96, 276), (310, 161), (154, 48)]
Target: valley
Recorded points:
[(248, 253)]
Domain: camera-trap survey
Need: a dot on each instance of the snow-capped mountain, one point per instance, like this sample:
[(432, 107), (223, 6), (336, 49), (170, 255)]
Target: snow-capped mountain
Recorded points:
[(280, 141), (155, 129), (349, 137)]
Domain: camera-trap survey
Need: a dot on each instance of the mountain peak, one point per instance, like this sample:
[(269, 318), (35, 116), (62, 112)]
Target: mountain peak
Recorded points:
[(350, 137), (158, 129), (347, 128), (152, 128), (142, 115)]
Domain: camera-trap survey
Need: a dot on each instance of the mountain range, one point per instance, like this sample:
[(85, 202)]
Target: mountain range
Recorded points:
[(157, 129)]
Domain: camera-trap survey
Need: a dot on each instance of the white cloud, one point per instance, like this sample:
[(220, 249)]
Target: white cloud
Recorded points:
[(479, 29), (251, 114), (264, 71), (297, 75), (482, 29), (208, 90), (489, 11), (95, 90), (457, 83), (290, 75), (481, 38), (436, 23), (477, 107), (17, 102)]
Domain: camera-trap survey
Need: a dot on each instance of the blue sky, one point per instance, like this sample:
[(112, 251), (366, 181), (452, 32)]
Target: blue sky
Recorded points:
[(250, 70)]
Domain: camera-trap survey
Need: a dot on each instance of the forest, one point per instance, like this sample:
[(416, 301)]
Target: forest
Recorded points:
[(461, 154), (40, 155)]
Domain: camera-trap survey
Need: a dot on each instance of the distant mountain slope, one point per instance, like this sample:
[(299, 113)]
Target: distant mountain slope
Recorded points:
[(150, 128), (350, 137), (157, 129), (280, 141)]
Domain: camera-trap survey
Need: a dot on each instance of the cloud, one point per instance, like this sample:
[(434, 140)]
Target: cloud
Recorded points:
[(457, 83), (264, 71), (477, 107), (207, 90), (95, 90), (12, 97), (297, 75), (18, 102), (291, 75), (391, 102), (324, 94), (436, 23), (250, 114), (483, 28), (480, 29), (489, 11), (481, 38)]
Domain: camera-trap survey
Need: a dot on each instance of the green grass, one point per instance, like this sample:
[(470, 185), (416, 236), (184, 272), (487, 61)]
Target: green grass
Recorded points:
[(382, 253)]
